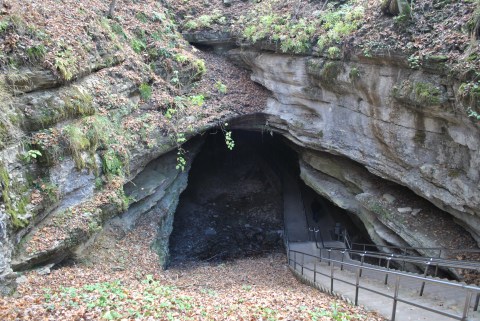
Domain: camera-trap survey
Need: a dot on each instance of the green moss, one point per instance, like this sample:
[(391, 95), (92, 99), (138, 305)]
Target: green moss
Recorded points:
[(354, 74), (13, 211), (77, 142), (79, 102), (145, 91), (66, 63), (418, 94), (426, 93), (330, 71), (454, 173), (470, 94), (36, 52)]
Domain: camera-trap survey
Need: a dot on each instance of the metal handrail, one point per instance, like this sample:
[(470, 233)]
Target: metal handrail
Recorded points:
[(438, 263), (346, 239), (316, 230), (470, 290), (364, 246)]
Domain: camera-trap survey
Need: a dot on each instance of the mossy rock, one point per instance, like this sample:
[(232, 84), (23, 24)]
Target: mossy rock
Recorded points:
[(326, 73), (45, 110), (419, 94)]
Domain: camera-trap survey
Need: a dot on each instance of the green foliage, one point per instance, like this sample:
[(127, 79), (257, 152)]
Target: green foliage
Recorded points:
[(354, 74), (334, 314), (222, 88), (13, 210), (145, 91), (197, 100), (113, 163), (79, 102), (180, 58), (473, 114), (77, 142), (36, 52), (296, 35), (200, 67), (229, 140), (414, 61), (65, 63), (181, 162), (191, 25), (426, 93), (338, 22), (138, 45), (205, 21), (142, 17), (31, 154), (333, 52), (3, 25), (118, 29), (470, 94)]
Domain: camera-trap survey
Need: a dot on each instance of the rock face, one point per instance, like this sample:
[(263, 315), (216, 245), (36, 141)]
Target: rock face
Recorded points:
[(393, 122), (376, 138)]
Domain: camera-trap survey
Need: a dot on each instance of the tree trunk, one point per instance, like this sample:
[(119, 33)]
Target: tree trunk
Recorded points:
[(112, 8)]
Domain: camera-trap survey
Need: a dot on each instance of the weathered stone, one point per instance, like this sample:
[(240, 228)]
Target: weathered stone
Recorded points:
[(389, 198), (404, 209), (416, 211), (27, 80), (429, 148)]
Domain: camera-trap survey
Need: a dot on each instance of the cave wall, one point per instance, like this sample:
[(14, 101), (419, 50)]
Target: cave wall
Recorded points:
[(403, 125), (369, 113)]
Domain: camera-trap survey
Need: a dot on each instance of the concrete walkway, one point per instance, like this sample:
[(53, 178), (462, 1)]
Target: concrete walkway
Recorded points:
[(448, 299)]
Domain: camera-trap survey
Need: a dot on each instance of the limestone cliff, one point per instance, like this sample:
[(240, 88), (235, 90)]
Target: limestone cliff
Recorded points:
[(95, 111)]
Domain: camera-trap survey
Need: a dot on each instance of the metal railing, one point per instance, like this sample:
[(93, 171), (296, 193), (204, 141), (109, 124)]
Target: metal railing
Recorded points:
[(293, 260), (315, 231), (409, 250)]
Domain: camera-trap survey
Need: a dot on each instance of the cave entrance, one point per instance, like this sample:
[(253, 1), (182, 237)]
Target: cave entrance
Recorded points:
[(234, 203)]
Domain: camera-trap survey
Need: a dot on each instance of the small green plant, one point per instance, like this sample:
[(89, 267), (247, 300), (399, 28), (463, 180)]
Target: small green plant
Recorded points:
[(414, 61), (229, 140), (118, 29), (427, 93), (354, 74), (138, 45), (334, 314), (180, 58), (333, 52), (31, 155), (222, 88), (191, 25), (65, 63), (77, 142), (197, 100), (141, 17), (145, 91), (3, 25), (181, 162), (200, 67), (36, 52), (473, 114)]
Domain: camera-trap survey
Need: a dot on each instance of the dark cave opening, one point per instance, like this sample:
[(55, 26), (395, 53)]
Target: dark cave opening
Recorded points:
[(234, 203)]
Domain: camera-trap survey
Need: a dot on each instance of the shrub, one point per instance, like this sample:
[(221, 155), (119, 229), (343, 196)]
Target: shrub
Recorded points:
[(333, 52), (145, 91), (36, 52), (65, 63), (138, 45), (221, 87)]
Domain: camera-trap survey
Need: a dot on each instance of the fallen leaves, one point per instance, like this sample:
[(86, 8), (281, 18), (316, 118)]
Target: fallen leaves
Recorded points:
[(246, 289)]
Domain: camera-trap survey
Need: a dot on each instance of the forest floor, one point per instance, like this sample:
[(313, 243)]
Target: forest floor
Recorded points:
[(121, 280)]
